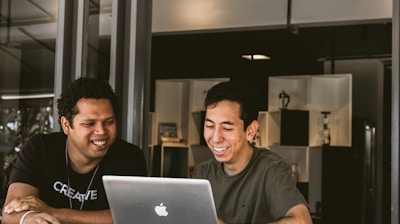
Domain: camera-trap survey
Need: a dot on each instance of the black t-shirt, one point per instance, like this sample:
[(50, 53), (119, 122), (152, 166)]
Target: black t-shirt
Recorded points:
[(42, 163)]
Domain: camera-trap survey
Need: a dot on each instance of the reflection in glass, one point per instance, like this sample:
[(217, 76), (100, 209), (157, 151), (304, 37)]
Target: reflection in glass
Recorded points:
[(27, 50), (98, 41), (27, 57)]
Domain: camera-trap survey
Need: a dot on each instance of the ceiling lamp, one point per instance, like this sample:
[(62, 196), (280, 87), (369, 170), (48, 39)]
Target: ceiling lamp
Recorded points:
[(253, 57), (27, 96)]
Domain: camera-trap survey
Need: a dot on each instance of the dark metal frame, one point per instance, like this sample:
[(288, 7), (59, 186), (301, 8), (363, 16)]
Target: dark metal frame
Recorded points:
[(395, 113)]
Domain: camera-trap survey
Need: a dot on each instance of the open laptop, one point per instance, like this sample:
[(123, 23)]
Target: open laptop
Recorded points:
[(159, 200)]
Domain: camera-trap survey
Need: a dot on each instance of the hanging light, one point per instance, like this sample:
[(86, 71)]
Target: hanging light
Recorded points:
[(253, 57)]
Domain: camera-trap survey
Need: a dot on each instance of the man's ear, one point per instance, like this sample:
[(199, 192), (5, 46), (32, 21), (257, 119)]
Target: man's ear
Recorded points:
[(251, 130), (65, 125)]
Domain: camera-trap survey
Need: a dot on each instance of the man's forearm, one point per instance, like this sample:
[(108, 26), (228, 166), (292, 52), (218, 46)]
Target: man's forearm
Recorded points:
[(67, 216), (12, 218)]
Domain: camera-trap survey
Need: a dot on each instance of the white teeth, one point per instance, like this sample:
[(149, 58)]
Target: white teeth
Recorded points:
[(99, 143), (218, 149)]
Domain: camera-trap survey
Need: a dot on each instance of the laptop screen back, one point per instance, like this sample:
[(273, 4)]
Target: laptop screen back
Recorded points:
[(159, 200)]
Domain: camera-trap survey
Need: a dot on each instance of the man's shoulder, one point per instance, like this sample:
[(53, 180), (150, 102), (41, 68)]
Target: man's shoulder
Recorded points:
[(48, 138), (208, 163), (268, 159), (268, 154), (205, 167), (125, 158), (40, 144), (122, 145)]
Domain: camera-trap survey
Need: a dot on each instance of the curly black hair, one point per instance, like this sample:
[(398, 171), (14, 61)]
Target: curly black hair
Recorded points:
[(84, 88), (237, 92)]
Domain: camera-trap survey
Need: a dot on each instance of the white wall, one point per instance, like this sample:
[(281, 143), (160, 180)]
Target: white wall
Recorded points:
[(205, 15), (208, 15), (340, 11)]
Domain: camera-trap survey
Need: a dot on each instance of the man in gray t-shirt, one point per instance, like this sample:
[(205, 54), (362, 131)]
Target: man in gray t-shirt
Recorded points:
[(249, 185)]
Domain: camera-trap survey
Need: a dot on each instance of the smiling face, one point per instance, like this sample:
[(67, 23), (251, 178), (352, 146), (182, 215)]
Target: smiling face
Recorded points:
[(94, 130), (226, 136)]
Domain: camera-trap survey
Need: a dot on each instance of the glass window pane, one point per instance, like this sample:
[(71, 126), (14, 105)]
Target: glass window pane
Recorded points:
[(27, 57), (99, 34)]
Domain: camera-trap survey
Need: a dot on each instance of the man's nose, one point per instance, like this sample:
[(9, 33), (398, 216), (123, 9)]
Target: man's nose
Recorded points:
[(100, 128)]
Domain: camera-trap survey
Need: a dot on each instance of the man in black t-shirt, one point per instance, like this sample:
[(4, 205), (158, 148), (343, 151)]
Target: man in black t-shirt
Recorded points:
[(57, 177)]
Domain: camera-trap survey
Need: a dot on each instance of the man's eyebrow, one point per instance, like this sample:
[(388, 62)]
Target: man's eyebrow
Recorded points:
[(224, 122), (88, 119), (228, 123), (94, 119), (209, 120)]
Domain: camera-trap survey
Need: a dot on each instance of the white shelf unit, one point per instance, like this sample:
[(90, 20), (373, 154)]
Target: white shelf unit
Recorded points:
[(331, 93), (299, 155), (314, 93), (171, 99), (164, 162), (296, 86), (309, 163), (181, 101)]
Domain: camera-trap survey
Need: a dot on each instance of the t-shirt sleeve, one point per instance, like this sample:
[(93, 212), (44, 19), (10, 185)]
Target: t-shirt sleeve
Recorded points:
[(125, 159), (196, 173), (281, 189), (25, 169), (200, 171), (139, 166)]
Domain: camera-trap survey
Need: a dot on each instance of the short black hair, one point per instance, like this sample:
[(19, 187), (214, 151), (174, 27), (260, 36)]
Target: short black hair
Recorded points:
[(84, 87), (240, 93)]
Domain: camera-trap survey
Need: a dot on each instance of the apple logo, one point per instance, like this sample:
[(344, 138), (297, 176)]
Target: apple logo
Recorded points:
[(161, 210)]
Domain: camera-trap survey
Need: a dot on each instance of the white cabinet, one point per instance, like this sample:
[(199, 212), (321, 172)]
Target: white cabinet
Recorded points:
[(181, 101), (284, 127), (308, 161), (315, 94), (312, 94), (297, 87), (169, 161), (331, 93), (302, 156)]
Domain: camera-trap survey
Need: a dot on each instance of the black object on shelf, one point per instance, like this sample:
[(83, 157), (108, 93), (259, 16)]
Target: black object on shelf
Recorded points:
[(294, 127), (174, 163)]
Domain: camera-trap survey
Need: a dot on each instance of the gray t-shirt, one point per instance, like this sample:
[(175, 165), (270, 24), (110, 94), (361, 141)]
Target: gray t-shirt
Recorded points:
[(263, 192)]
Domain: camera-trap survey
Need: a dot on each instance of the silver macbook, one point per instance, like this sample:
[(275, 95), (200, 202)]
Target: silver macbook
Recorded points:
[(159, 200)]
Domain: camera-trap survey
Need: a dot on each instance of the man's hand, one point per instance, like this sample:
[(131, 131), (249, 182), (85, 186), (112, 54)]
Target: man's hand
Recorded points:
[(36, 217), (28, 203), (221, 221), (24, 197)]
